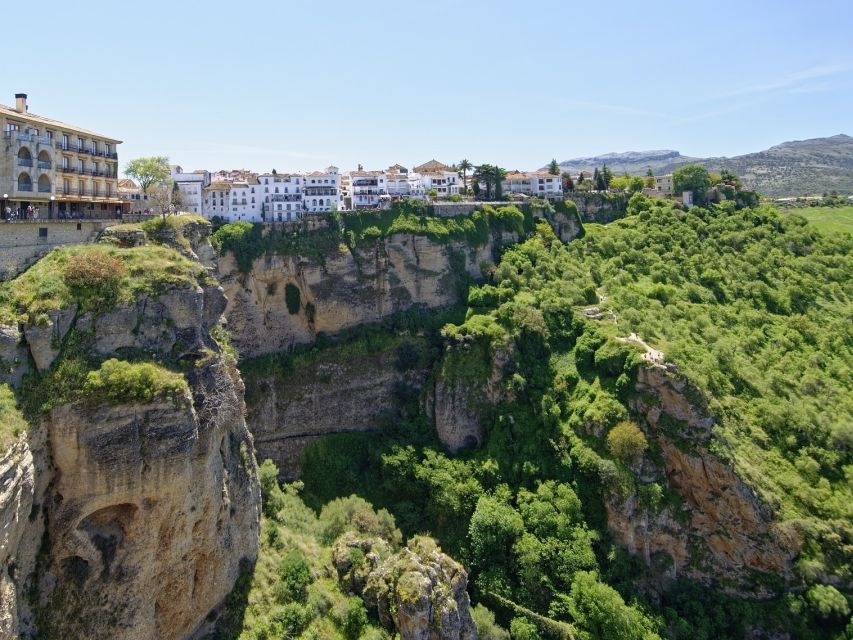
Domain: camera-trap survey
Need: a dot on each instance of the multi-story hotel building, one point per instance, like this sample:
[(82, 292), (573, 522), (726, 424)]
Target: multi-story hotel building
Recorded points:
[(63, 170)]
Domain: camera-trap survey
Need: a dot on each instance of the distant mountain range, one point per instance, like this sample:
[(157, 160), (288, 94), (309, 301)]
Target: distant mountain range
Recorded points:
[(800, 167)]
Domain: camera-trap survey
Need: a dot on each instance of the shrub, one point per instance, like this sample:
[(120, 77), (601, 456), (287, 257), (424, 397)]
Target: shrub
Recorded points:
[(292, 298), (294, 577), (12, 423), (626, 441), (355, 619), (118, 381), (828, 601), (523, 629), (94, 277), (272, 497), (487, 628)]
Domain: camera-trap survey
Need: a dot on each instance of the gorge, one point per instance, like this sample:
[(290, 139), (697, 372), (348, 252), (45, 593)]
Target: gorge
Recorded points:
[(471, 379)]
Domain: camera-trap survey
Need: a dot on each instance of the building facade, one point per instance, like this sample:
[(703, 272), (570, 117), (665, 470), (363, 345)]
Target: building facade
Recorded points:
[(191, 186), (533, 183), (368, 189), (322, 191), (282, 196), (61, 170)]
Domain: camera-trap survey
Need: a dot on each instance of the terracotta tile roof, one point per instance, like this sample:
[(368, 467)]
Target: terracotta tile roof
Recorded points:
[(433, 166)]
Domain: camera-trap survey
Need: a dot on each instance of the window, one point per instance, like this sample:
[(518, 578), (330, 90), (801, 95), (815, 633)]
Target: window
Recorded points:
[(42, 232)]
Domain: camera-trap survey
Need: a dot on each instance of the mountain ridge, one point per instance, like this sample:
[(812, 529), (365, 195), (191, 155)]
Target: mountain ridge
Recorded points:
[(795, 167)]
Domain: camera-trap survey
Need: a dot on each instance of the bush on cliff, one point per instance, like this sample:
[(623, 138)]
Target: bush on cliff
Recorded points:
[(12, 423), (118, 382)]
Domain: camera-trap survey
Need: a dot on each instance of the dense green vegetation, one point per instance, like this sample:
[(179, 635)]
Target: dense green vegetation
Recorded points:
[(753, 307), (97, 277), (293, 590), (118, 381), (357, 229)]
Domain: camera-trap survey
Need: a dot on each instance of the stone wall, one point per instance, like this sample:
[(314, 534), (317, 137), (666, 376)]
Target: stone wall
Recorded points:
[(22, 243)]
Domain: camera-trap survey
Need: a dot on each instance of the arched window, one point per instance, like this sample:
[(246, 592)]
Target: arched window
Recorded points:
[(44, 161), (44, 184), (25, 158), (25, 183), (321, 202)]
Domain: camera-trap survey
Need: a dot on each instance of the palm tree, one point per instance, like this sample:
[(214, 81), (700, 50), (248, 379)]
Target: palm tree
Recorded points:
[(465, 166)]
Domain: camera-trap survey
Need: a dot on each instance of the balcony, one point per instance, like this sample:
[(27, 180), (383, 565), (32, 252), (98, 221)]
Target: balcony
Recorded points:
[(26, 188), (67, 170), (364, 183), (45, 164), (24, 136), (45, 189), (25, 162)]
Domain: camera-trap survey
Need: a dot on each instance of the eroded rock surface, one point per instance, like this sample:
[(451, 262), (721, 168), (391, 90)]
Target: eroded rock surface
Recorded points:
[(723, 531), (346, 290)]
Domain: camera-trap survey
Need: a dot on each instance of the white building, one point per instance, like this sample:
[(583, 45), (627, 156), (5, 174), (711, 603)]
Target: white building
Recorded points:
[(282, 196), (437, 175), (322, 191), (533, 183), (368, 189), (217, 200), (191, 186), (401, 183)]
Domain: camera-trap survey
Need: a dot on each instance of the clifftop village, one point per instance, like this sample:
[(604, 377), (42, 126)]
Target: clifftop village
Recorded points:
[(54, 170)]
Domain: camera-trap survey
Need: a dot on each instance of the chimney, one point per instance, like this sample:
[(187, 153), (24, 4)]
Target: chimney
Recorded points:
[(21, 102)]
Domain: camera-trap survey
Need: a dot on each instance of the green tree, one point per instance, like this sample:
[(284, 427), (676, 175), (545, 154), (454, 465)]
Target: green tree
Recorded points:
[(692, 178), (626, 441), (149, 171), (600, 612), (607, 176), (465, 166), (554, 167)]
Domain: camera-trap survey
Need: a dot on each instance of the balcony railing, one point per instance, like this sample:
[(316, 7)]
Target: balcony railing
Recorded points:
[(45, 164), (25, 162), (365, 183), (67, 169), (25, 136), (43, 189), (25, 187)]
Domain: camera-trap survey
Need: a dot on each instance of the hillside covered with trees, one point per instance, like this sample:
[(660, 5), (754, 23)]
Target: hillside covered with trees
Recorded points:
[(752, 308)]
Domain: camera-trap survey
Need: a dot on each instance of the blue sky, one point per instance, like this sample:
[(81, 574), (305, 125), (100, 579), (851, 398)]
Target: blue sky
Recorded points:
[(300, 85)]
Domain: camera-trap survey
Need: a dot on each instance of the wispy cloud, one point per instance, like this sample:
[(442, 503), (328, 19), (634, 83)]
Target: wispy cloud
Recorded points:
[(790, 82)]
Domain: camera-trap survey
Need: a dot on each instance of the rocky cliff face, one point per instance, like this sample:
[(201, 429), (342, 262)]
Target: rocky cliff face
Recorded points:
[(133, 519), (349, 288), (334, 391), (722, 530)]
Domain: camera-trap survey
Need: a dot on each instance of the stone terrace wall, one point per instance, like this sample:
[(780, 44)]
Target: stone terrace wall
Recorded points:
[(22, 243)]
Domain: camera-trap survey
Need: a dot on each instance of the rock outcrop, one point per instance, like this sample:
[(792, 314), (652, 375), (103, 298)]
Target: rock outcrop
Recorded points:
[(346, 289), (419, 592), (722, 531), (128, 520), (152, 509)]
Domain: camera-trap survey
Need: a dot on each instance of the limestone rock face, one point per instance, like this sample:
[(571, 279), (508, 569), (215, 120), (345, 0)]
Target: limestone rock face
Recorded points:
[(45, 338), (132, 520), (421, 592), (14, 356), (724, 531), (152, 509), (334, 393), (345, 290), (459, 404)]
